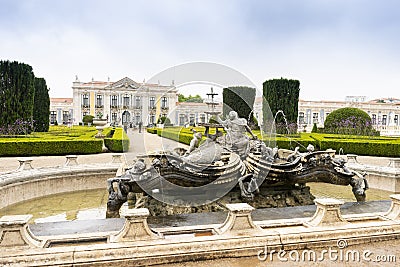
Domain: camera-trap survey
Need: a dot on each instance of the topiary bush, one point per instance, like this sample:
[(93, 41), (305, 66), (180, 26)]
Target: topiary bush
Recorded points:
[(349, 121), (119, 142), (87, 119)]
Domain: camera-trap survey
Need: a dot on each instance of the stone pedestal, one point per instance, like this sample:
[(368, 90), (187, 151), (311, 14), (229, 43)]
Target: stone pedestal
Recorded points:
[(15, 233), (352, 158), (327, 213), (394, 211), (116, 158), (394, 163), (135, 227), (24, 164), (72, 160), (239, 221)]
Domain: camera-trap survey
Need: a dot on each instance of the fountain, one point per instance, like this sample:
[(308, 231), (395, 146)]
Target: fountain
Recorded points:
[(228, 168)]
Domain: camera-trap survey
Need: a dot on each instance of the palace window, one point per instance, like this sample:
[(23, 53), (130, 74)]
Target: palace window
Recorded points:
[(202, 118), (85, 100), (138, 102), (301, 118), (384, 119), (396, 119), (182, 119), (126, 101), (114, 117), (114, 100), (164, 102), (99, 101), (315, 117), (192, 118), (53, 117), (373, 119), (65, 117), (152, 103)]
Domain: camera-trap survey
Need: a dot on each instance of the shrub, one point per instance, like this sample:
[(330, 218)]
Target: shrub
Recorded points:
[(314, 128), (119, 142), (349, 121), (88, 119), (164, 120), (152, 130), (32, 147)]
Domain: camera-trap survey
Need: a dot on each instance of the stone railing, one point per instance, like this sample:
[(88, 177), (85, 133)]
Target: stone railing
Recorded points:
[(136, 244)]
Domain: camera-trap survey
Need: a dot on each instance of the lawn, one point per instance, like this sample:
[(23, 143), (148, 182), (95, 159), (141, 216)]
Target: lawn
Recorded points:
[(63, 140)]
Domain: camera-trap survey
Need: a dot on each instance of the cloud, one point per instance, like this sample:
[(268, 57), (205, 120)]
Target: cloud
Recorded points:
[(334, 48)]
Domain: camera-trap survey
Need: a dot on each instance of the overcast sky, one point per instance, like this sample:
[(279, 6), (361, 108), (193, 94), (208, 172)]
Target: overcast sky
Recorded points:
[(335, 48)]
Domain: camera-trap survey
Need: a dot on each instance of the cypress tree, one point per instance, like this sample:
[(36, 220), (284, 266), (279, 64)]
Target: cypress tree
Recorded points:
[(282, 94), (17, 97), (240, 99), (41, 110)]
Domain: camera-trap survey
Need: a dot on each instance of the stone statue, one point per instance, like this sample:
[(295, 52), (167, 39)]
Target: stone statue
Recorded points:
[(236, 138), (194, 143)]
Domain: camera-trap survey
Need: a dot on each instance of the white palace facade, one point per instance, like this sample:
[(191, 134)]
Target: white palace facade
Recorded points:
[(129, 102), (123, 102)]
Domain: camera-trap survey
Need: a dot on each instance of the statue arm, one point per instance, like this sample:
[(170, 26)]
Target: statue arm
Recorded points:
[(250, 132)]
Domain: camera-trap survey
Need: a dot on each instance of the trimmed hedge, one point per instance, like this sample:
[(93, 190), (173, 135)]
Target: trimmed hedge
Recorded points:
[(60, 140), (360, 145), (350, 144), (119, 142), (50, 147), (152, 130)]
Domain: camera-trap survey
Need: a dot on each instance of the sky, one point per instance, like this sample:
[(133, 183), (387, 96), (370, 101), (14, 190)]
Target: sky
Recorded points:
[(335, 48)]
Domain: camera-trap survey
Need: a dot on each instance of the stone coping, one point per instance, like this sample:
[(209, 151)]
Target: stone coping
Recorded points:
[(25, 175), (137, 245)]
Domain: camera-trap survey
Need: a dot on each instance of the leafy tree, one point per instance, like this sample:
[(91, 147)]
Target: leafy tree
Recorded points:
[(240, 99), (190, 98), (41, 109), (349, 121), (281, 94)]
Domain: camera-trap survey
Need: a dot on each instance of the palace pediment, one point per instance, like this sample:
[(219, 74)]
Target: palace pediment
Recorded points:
[(125, 83)]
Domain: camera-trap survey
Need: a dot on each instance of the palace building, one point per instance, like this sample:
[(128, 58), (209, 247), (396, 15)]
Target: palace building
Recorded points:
[(128, 102), (123, 102)]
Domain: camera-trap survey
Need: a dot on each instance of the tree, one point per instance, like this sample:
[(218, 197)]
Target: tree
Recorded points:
[(17, 87), (349, 121), (281, 94), (190, 98), (23, 98), (240, 99), (41, 108)]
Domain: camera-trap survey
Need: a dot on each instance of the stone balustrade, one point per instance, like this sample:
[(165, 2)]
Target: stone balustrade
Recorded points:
[(327, 213), (239, 220), (25, 164), (72, 160), (15, 233), (239, 236), (135, 227)]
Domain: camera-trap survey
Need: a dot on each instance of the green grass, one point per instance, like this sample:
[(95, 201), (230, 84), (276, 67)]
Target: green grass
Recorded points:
[(63, 140)]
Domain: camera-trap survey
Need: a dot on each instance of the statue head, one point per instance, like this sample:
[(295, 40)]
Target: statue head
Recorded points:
[(310, 148), (233, 115)]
